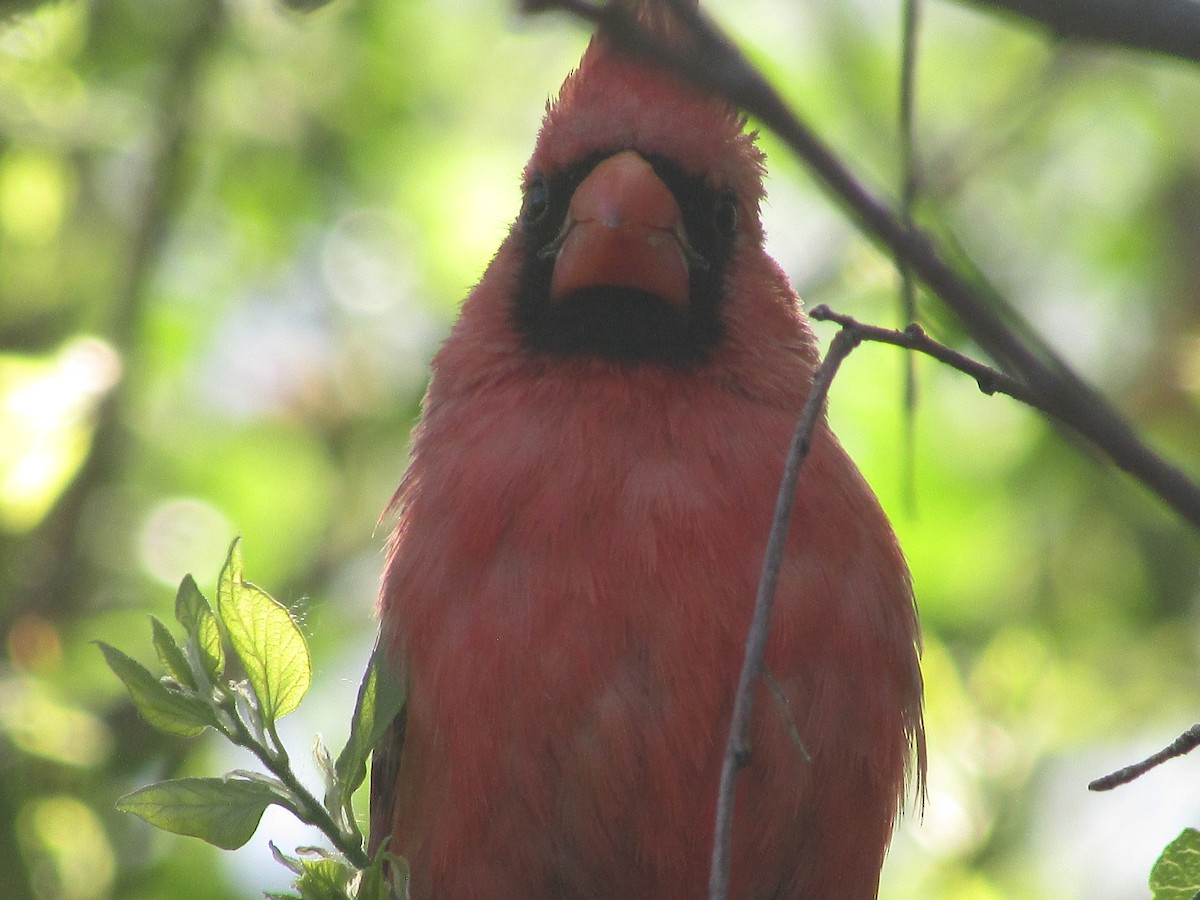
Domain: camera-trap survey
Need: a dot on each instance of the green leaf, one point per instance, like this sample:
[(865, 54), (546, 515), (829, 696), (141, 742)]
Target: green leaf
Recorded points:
[(223, 811), (288, 862), (323, 760), (1176, 874), (324, 879), (398, 867), (371, 884), (167, 710), (196, 616), (378, 883), (380, 699), (266, 639), (170, 655)]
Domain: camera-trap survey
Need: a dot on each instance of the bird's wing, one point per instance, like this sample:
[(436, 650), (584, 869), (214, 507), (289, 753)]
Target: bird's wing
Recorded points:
[(385, 764), (383, 710)]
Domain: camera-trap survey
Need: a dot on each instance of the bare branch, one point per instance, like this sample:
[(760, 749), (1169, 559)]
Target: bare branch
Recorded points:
[(1168, 27), (705, 56), (1185, 743), (910, 28), (990, 381), (737, 749)]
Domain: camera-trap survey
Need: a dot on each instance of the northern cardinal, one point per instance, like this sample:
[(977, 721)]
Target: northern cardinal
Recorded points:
[(580, 535)]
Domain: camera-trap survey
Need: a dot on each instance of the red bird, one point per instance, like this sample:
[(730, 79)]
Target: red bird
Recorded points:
[(580, 535)]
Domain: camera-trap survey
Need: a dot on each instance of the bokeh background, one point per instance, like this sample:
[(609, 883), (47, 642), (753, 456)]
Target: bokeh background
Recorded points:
[(232, 235)]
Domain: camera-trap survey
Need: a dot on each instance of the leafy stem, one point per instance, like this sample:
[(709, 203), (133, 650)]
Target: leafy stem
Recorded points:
[(193, 695)]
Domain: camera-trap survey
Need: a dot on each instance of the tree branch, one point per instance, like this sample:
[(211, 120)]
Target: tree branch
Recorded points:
[(909, 30), (704, 55), (852, 333), (990, 381), (1185, 743), (737, 750), (1168, 27)]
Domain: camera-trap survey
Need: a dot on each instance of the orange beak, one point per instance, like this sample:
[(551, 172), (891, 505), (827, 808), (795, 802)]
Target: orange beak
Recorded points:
[(623, 229)]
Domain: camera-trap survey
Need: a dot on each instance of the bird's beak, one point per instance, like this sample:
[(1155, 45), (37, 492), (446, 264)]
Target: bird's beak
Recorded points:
[(623, 229)]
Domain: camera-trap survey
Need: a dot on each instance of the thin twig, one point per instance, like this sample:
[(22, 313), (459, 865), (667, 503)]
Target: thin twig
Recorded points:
[(1185, 743), (910, 26), (737, 749), (306, 808), (990, 381), (705, 56)]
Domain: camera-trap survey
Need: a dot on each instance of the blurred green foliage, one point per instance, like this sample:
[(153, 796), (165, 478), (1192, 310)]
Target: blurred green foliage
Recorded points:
[(231, 236)]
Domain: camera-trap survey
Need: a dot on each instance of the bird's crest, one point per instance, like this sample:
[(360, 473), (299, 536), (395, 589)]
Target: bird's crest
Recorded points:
[(615, 101)]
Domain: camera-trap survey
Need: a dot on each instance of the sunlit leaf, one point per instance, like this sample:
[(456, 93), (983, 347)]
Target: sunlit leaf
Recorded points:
[(223, 811), (1176, 874), (380, 699), (324, 879), (266, 639), (170, 655), (167, 710), (196, 616)]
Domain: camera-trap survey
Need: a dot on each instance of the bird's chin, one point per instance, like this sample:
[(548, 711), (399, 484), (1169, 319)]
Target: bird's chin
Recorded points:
[(621, 324)]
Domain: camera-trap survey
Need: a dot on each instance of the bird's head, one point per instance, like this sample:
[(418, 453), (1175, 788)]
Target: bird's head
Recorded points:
[(639, 239)]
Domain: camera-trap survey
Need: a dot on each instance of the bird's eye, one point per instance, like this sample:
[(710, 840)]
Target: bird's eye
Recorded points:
[(725, 215), (536, 203)]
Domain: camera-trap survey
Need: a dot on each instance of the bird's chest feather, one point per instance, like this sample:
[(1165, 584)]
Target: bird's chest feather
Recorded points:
[(572, 583)]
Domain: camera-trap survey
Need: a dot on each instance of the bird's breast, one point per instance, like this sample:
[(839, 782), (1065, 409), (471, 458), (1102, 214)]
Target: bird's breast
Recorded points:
[(572, 585)]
